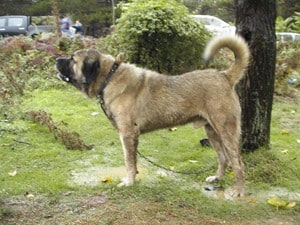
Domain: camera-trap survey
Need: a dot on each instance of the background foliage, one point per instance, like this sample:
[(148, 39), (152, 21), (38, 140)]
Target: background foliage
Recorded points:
[(159, 35), (290, 24), (286, 8), (223, 9), (96, 15)]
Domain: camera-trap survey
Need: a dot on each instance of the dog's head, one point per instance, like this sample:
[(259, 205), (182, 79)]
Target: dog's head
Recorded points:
[(81, 70)]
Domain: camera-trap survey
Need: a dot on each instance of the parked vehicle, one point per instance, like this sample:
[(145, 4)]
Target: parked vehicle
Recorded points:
[(21, 25), (287, 36), (215, 25)]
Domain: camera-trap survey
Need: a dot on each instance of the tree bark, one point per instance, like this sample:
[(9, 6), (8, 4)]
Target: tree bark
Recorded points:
[(255, 21)]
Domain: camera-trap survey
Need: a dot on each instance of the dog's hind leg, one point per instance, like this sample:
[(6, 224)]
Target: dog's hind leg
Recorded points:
[(229, 134), (129, 140), (238, 169), (216, 142), (231, 144)]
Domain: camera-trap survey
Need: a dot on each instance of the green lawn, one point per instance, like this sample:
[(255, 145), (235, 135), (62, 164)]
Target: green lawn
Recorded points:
[(42, 182)]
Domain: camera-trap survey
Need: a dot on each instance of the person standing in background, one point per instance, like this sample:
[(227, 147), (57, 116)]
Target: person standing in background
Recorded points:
[(78, 27), (65, 25)]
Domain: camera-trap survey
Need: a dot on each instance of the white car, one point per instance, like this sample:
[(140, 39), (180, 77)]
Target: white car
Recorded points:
[(287, 36), (215, 25)]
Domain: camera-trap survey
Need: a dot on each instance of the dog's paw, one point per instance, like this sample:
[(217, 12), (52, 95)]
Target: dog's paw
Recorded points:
[(237, 192), (125, 182), (233, 193), (212, 179)]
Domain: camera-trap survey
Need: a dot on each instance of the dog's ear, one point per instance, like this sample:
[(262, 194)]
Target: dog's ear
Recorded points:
[(91, 65)]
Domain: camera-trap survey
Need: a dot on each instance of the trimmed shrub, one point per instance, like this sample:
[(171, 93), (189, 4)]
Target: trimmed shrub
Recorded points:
[(159, 35)]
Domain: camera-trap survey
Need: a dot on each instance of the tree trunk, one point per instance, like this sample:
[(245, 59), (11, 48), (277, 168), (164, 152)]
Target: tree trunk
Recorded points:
[(255, 21)]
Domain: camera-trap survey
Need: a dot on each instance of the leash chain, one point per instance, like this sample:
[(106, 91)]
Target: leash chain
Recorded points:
[(174, 171)]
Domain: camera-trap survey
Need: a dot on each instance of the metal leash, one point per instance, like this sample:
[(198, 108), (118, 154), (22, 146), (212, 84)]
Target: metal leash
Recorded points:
[(174, 171)]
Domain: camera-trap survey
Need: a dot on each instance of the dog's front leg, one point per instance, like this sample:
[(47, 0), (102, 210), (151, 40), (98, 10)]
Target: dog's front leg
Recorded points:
[(129, 142)]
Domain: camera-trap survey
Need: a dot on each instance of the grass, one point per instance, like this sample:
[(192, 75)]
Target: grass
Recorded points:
[(55, 185)]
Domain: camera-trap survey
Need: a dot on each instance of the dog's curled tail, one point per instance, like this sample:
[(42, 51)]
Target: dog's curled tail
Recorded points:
[(241, 52)]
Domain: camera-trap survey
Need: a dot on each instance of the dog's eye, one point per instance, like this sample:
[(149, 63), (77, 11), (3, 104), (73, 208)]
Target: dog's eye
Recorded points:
[(72, 59)]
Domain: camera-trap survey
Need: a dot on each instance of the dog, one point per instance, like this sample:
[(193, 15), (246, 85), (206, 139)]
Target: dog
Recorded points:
[(138, 100)]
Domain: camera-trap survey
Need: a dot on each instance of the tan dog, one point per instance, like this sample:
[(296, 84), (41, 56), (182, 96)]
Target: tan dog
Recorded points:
[(137, 100)]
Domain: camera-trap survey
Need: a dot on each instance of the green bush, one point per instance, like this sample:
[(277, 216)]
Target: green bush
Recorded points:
[(290, 24), (293, 23), (158, 35)]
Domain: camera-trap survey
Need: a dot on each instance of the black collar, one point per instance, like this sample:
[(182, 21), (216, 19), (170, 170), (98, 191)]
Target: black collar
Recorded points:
[(107, 78)]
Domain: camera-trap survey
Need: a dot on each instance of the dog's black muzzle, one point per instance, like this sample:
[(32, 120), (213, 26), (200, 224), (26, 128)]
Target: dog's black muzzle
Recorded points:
[(64, 69)]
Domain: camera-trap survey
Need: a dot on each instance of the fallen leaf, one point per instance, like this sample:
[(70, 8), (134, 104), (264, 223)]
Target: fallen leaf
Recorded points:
[(193, 161), (252, 200), (107, 180), (95, 113), (231, 174), (30, 196), (173, 129), (12, 174), (284, 151), (291, 205), (284, 132), (275, 202)]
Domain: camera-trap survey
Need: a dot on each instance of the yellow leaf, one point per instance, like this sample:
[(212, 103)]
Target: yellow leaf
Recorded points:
[(252, 200), (30, 196), (284, 151), (275, 202), (107, 180), (284, 132), (173, 129), (12, 174), (231, 174), (291, 205)]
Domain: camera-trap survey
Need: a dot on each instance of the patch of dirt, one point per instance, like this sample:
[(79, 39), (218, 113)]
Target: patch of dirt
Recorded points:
[(55, 210), (67, 209), (92, 176)]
